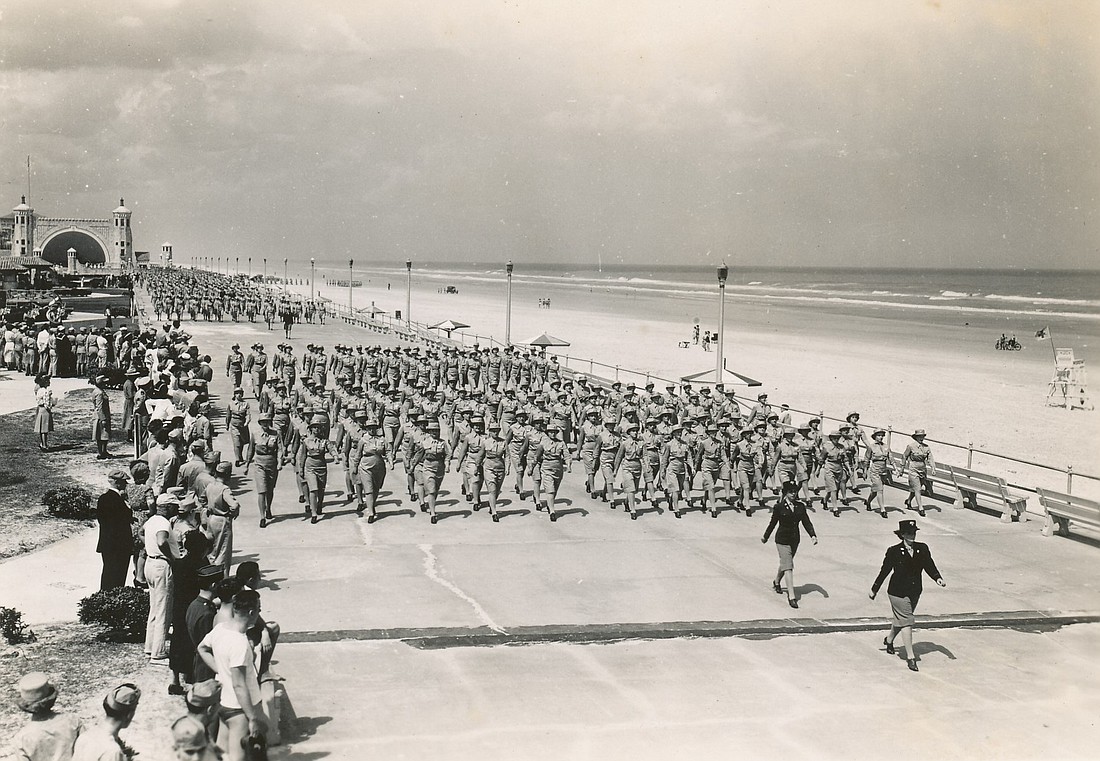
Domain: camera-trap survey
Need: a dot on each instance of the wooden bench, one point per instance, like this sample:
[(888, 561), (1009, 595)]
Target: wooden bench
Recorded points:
[(970, 485), (1062, 508)]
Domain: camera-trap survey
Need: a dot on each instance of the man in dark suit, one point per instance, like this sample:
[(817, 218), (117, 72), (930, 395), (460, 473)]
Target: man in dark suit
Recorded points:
[(906, 561), (116, 540)]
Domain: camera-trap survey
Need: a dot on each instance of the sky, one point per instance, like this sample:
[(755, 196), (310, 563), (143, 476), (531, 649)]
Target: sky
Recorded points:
[(958, 133)]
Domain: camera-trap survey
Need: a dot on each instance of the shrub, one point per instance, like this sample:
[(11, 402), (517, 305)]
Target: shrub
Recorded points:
[(13, 628), (123, 610), (69, 502)]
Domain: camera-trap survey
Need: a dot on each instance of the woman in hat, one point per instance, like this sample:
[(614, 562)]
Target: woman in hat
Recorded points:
[(588, 447), (185, 588), (876, 469), (48, 735), (551, 457), (222, 509), (608, 442), (494, 468), (432, 455), (315, 466), (371, 455), (628, 460), (101, 417), (834, 457), (43, 417), (918, 461), (676, 469), (266, 455), (237, 418), (788, 514), (905, 562), (470, 457), (516, 442)]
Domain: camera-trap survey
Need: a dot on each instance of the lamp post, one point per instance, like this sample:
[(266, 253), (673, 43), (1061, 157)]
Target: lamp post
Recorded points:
[(219, 265), (265, 270), (508, 306), (351, 269), (723, 273), (250, 268), (408, 291), (237, 265), (285, 259), (312, 277)]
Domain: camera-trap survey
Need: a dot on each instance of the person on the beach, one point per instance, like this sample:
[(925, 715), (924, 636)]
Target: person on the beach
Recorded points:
[(905, 562), (876, 469), (917, 460), (43, 416), (371, 466), (787, 515)]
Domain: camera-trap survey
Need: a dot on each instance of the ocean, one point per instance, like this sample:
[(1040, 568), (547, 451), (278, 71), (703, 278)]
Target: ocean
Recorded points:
[(1029, 296)]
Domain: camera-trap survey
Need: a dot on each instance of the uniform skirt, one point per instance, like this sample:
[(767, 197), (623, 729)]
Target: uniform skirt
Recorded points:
[(266, 473), (903, 609), (43, 421), (101, 430), (372, 474), (786, 555)]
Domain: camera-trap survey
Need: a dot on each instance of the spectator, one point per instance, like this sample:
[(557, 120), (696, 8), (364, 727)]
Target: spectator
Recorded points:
[(116, 538), (143, 504), (48, 735), (43, 419), (101, 417), (162, 552), (226, 649), (200, 618), (101, 742), (190, 741), (203, 700)]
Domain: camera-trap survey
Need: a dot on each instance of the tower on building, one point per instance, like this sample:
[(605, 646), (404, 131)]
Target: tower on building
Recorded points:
[(123, 242), (22, 238), (166, 255)]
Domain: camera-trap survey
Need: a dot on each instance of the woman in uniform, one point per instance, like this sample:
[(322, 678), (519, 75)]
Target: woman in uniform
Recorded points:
[(904, 563), (709, 460), (516, 441), (432, 455), (789, 512), (315, 467), (628, 460), (371, 454), (876, 467), (676, 469), (835, 457), (918, 461), (470, 457), (609, 443), (551, 457), (494, 468), (588, 447), (43, 417), (221, 510), (237, 418), (267, 456)]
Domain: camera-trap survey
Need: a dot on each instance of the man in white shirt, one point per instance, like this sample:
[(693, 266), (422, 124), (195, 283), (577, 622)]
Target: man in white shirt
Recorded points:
[(228, 652), (162, 550)]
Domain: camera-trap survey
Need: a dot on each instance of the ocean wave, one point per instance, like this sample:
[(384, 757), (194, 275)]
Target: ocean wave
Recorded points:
[(955, 295), (1045, 300)]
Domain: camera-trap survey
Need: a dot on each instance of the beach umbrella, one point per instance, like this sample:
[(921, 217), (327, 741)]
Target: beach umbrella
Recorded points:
[(728, 378), (449, 325), (546, 340)]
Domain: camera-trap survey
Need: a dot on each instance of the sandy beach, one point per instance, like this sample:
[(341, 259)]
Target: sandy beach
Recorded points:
[(902, 372)]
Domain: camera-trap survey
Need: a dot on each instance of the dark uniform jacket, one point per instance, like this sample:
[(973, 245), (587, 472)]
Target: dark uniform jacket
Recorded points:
[(906, 568), (114, 518)]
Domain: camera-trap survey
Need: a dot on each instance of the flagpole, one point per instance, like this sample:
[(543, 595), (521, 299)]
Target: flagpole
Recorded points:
[(1050, 335)]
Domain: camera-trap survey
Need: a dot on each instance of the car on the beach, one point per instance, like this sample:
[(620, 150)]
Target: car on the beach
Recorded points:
[(450, 289)]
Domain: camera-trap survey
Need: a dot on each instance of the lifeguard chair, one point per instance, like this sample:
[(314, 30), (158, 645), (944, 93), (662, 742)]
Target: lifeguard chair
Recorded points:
[(1069, 386)]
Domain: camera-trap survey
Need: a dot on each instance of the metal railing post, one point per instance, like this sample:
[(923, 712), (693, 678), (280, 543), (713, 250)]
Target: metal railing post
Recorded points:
[(1069, 479), (970, 455), (616, 372)]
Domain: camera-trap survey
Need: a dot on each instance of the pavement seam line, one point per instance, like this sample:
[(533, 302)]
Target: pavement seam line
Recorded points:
[(431, 569)]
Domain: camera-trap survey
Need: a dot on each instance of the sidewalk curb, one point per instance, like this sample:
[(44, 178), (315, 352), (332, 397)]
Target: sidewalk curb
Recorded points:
[(441, 638)]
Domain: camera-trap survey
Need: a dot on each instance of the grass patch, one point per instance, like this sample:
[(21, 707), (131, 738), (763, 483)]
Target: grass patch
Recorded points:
[(26, 472)]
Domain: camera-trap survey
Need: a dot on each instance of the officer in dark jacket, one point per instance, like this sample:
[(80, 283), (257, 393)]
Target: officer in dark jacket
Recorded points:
[(116, 540), (907, 561)]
